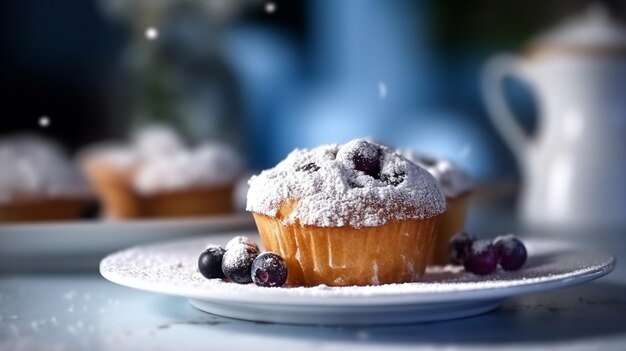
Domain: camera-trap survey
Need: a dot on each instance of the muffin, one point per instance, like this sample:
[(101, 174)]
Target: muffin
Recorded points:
[(38, 182), (110, 170), (456, 186), (158, 176), (352, 214)]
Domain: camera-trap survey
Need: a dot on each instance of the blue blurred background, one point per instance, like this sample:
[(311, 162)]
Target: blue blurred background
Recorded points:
[(267, 77)]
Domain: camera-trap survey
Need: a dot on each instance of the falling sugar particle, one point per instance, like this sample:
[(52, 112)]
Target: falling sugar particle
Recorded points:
[(382, 90), (152, 33), (54, 321), (34, 325), (44, 121), (71, 309), (270, 7), (466, 151)]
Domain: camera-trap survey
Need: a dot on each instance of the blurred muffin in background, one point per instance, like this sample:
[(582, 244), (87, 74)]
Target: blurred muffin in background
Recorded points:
[(456, 186), (38, 182), (159, 176)]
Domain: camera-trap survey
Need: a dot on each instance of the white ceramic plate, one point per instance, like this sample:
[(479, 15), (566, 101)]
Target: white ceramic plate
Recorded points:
[(82, 244), (445, 293)]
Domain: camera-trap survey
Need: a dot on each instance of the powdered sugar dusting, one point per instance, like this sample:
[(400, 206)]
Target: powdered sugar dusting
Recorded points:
[(451, 178), (35, 167), (239, 256), (157, 141), (207, 165), (172, 268), (480, 246), (330, 192), (506, 241), (161, 161)]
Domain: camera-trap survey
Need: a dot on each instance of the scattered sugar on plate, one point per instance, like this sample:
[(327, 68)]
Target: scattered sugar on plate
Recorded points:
[(152, 267)]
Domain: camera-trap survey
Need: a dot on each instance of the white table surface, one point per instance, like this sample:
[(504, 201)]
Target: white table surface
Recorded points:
[(85, 312)]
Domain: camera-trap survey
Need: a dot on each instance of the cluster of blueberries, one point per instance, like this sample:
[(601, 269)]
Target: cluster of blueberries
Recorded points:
[(483, 256), (240, 261)]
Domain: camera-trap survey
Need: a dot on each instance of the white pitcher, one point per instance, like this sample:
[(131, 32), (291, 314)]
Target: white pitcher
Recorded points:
[(574, 167)]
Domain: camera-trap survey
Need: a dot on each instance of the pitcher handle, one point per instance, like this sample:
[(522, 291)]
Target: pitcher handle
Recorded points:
[(494, 72)]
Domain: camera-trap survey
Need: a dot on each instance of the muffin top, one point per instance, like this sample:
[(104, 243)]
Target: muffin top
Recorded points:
[(357, 184), (35, 167), (452, 180), (209, 164), (160, 161)]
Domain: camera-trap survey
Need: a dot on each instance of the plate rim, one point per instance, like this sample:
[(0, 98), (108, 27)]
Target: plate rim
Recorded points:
[(387, 298)]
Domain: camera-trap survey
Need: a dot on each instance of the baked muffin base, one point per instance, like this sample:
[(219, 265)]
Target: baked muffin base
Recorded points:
[(33, 210), (113, 187), (450, 223), (395, 252), (188, 203), (121, 201)]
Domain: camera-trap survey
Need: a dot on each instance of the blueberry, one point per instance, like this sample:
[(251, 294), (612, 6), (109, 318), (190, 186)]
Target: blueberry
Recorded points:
[(368, 166), (459, 245), (308, 168), (511, 252), (237, 263), (393, 179), (210, 262), (269, 270), (362, 155), (481, 258), (241, 240)]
